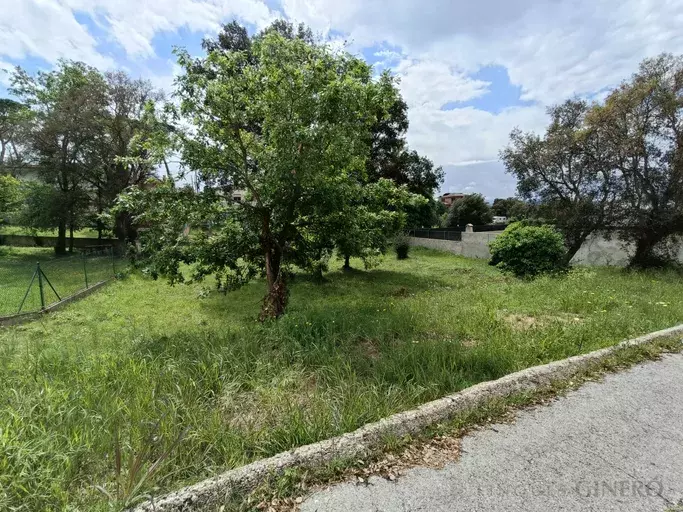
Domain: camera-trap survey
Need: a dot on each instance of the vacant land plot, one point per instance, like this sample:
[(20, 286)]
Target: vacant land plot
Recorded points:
[(141, 369), (67, 275)]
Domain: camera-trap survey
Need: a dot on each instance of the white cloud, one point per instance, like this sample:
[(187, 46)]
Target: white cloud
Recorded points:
[(134, 23), (165, 81), (431, 84), (468, 135), (553, 50), (46, 29)]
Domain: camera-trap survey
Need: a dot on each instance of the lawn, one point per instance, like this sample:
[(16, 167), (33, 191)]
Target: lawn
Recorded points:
[(141, 369), (67, 275)]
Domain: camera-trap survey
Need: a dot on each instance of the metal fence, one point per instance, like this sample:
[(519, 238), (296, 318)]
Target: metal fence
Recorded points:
[(30, 287), (454, 234), (490, 227)]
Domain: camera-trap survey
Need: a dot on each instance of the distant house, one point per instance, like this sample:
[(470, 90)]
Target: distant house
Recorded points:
[(447, 199), (500, 219)]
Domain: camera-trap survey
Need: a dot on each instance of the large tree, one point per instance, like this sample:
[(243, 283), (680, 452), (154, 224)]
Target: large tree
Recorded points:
[(288, 121), (641, 123), (389, 158), (67, 105), (512, 207), (566, 173), (471, 209), (131, 142), (14, 122)]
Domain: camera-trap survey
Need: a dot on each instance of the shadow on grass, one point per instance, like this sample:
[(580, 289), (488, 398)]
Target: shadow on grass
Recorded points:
[(338, 292)]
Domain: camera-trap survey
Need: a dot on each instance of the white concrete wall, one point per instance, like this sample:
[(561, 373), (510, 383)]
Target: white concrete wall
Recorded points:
[(599, 251), (476, 245), (440, 245), (473, 245), (596, 251)]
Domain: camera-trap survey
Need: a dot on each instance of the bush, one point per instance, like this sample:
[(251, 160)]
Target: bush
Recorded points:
[(402, 246), (527, 251)]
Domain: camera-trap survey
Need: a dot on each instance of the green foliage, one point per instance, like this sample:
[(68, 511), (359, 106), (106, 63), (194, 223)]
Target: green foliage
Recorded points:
[(471, 209), (289, 121), (425, 214), (14, 122), (88, 136), (401, 246), (566, 172), (513, 208), (641, 122), (66, 105), (527, 251), (613, 166), (10, 196)]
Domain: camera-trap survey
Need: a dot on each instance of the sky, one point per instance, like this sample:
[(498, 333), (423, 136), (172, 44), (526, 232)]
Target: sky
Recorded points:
[(470, 71)]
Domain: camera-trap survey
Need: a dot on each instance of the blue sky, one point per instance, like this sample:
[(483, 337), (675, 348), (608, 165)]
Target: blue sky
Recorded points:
[(470, 71)]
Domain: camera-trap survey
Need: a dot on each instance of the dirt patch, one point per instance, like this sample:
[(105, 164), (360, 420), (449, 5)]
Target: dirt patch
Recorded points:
[(521, 322), (401, 292), (369, 348), (268, 404)]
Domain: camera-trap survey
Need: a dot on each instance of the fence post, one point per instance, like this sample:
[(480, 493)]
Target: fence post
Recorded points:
[(113, 261), (28, 290), (85, 271), (40, 285)]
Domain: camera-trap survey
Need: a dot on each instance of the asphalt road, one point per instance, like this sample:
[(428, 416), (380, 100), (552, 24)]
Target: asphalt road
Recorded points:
[(615, 445)]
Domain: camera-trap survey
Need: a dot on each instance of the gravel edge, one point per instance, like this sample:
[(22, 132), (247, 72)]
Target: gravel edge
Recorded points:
[(211, 493)]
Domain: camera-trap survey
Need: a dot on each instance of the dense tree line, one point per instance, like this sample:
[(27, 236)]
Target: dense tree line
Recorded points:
[(615, 167), (81, 137)]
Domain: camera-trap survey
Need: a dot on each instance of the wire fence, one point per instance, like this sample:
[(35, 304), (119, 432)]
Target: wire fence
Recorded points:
[(30, 287)]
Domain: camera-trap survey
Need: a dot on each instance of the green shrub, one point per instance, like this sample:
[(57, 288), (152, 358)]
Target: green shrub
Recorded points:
[(527, 251), (402, 246)]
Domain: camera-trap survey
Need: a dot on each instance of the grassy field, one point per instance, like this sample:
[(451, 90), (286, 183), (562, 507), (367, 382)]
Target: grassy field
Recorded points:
[(67, 275), (142, 371)]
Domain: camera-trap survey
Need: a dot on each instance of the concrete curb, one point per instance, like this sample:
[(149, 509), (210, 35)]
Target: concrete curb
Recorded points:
[(210, 494), (6, 321)]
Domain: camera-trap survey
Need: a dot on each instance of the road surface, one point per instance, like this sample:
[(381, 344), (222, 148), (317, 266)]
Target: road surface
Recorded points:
[(614, 445)]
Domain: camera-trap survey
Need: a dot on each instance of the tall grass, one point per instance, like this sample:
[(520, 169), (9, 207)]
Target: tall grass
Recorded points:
[(142, 387)]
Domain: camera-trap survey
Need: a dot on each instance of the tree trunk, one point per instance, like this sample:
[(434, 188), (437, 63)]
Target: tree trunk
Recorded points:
[(100, 226), (124, 228), (60, 248), (644, 256), (71, 238), (347, 262), (573, 247), (318, 276), (275, 301)]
